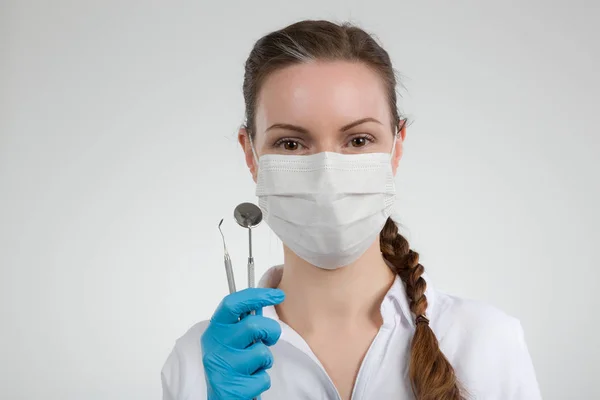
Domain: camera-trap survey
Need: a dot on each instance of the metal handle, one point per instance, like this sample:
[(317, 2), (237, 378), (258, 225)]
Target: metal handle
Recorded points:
[(229, 272), (251, 282)]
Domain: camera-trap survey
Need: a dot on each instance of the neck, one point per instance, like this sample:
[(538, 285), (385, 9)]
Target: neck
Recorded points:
[(345, 296)]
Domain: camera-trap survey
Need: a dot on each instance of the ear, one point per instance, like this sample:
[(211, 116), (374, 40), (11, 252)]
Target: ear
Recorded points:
[(244, 141), (399, 146)]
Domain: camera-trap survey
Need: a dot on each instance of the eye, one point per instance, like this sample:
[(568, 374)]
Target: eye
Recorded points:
[(288, 144), (361, 140)]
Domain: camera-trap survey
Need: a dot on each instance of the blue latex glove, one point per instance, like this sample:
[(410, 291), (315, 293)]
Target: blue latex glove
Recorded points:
[(234, 345)]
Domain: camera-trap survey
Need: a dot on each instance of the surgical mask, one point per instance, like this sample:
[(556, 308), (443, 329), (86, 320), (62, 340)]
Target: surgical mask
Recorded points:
[(328, 208)]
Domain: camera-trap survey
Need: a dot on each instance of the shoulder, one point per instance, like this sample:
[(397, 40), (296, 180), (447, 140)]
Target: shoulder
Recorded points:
[(487, 347), (190, 340), (475, 318), (182, 373), (475, 326)]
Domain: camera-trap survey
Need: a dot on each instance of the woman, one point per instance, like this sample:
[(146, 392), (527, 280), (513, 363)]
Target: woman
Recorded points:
[(323, 140)]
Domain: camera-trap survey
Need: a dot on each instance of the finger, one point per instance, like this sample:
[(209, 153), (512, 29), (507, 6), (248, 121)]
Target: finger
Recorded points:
[(238, 303), (253, 359), (258, 383), (236, 386), (258, 311), (253, 328), (244, 362)]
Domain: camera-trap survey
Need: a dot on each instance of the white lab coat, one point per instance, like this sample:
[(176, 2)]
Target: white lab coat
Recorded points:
[(485, 346)]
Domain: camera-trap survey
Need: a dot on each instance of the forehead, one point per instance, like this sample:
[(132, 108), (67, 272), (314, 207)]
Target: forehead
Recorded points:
[(321, 95)]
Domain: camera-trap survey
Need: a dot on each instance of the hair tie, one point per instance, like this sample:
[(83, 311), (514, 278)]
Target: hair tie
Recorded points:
[(422, 319)]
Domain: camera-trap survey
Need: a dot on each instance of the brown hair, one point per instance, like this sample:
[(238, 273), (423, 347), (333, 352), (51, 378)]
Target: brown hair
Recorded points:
[(431, 375)]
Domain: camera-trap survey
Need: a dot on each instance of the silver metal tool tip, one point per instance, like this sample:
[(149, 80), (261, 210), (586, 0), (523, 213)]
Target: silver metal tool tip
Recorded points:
[(223, 236)]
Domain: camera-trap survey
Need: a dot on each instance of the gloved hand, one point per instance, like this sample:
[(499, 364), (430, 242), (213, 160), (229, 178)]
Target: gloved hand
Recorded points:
[(234, 345)]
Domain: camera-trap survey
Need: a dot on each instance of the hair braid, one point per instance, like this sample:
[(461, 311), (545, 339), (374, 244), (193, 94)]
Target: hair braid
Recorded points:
[(431, 375)]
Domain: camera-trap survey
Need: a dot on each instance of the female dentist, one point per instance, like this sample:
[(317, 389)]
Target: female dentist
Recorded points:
[(360, 320)]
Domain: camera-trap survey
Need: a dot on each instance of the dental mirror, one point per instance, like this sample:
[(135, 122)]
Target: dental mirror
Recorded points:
[(248, 215)]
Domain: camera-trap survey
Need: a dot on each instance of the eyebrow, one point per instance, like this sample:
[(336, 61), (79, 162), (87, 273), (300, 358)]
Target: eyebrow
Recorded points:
[(305, 131)]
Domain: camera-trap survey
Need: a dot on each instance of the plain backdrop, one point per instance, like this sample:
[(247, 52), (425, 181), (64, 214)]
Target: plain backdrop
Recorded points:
[(118, 158)]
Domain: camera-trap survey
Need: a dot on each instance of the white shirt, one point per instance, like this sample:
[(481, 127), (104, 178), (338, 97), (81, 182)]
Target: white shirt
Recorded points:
[(485, 346)]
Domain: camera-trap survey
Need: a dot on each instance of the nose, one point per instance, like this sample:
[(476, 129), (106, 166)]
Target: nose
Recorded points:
[(326, 145)]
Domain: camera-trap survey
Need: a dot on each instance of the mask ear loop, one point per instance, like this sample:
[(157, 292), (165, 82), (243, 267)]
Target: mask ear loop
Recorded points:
[(253, 151), (396, 133), (394, 144)]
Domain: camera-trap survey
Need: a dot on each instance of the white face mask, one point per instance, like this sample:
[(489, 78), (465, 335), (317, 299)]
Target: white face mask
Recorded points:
[(328, 208)]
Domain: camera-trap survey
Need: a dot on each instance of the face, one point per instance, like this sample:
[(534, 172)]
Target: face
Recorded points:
[(311, 108)]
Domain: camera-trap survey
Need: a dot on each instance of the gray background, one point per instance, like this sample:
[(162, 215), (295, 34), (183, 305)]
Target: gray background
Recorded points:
[(118, 158)]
